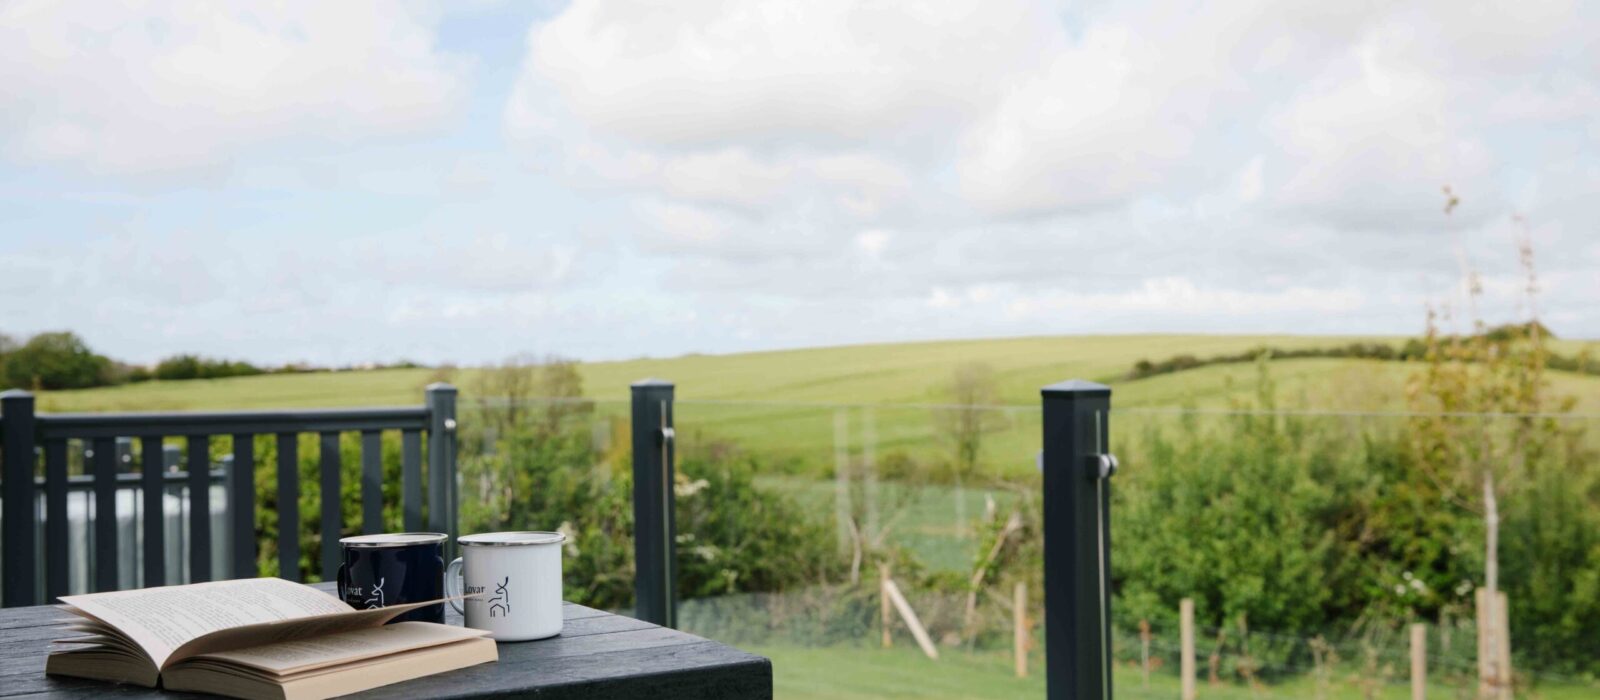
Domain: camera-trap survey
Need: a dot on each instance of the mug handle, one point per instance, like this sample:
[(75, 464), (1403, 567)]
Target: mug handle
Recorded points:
[(452, 585)]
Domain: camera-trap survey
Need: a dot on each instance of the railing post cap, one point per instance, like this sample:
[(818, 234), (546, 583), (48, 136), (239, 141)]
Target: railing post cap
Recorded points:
[(12, 394), (652, 383), (1075, 388), (440, 386)]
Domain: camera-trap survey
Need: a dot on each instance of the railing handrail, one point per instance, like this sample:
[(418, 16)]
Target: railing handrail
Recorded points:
[(183, 423)]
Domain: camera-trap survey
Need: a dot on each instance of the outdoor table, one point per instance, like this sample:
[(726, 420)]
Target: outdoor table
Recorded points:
[(597, 655)]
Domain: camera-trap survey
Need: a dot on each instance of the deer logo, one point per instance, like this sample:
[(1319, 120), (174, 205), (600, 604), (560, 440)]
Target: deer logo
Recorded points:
[(376, 600), (500, 604)]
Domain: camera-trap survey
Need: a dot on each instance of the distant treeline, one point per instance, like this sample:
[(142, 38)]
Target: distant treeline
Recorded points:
[(61, 360), (1414, 349)]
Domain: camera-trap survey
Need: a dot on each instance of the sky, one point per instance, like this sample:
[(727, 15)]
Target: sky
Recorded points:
[(346, 182)]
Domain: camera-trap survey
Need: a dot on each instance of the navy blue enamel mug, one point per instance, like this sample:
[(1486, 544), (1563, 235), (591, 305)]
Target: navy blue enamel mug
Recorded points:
[(382, 570)]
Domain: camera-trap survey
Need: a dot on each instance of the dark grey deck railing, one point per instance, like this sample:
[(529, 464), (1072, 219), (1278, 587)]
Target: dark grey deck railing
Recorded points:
[(1077, 466), (25, 436)]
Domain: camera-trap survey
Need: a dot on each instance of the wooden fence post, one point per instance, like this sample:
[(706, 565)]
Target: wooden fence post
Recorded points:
[(1019, 621), (1419, 662), (1186, 640), (1144, 650), (1502, 635), (1485, 621)]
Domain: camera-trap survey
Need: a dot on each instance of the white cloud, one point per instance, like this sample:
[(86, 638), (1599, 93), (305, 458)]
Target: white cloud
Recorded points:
[(692, 73), (1174, 296), (1371, 141), (135, 88), (736, 175), (872, 243), (1098, 124), (1251, 181)]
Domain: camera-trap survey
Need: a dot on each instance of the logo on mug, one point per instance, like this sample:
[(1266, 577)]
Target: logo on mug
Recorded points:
[(375, 600), (479, 584), (500, 604)]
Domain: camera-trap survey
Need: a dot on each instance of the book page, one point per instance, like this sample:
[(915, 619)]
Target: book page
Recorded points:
[(296, 656), (294, 628), (160, 620)]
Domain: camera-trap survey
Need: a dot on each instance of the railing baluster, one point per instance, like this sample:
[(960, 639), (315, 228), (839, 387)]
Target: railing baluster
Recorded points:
[(105, 514), (199, 508), (242, 507), (371, 482), (411, 479), (289, 506), (331, 520), (153, 465), (56, 555), (18, 525)]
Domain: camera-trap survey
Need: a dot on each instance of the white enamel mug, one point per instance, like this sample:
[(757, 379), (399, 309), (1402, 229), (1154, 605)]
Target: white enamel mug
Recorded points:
[(515, 581)]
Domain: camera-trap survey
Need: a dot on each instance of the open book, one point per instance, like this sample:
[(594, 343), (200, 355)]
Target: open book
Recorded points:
[(255, 638)]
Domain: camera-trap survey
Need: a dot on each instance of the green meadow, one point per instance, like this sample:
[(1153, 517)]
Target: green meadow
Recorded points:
[(796, 406), (863, 673), (915, 373)]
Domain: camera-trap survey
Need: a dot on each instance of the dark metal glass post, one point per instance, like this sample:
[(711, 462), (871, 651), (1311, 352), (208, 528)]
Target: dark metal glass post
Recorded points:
[(440, 400), (1077, 540), (18, 525), (655, 586)]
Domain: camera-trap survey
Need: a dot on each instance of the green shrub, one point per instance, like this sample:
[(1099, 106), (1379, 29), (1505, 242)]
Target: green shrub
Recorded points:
[(732, 537), (55, 361)]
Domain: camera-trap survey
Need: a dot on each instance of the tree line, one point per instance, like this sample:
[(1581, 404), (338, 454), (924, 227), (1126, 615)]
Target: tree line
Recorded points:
[(1413, 350), (62, 360)]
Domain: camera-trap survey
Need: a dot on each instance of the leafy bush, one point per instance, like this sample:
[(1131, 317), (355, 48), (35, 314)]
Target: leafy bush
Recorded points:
[(58, 360), (1252, 521), (1315, 526), (732, 536), (196, 367)]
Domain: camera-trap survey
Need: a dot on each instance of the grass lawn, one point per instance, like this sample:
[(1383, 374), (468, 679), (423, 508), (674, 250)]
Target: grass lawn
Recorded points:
[(855, 672)]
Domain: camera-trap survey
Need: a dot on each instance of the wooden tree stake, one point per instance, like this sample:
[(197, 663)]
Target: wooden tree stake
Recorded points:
[(886, 617), (910, 618)]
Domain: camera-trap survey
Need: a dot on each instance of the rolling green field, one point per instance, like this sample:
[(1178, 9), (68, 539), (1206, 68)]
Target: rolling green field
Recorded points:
[(857, 374), (791, 404)]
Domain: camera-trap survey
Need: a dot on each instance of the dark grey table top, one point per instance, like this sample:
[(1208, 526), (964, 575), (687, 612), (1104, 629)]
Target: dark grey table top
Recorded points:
[(598, 655)]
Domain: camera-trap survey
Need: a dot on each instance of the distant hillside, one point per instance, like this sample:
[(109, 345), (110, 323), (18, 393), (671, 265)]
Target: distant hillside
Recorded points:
[(885, 373)]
